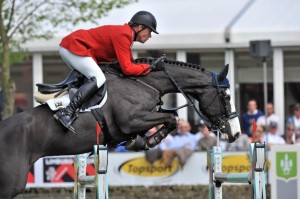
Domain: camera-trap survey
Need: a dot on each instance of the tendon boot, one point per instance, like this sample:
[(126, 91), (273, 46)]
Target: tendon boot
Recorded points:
[(67, 115), (145, 143)]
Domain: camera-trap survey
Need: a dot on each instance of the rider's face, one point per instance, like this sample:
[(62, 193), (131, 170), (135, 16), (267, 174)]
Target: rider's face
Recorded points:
[(144, 35)]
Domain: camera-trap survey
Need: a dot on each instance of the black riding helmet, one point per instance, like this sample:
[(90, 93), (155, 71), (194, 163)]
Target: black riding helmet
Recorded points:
[(144, 18)]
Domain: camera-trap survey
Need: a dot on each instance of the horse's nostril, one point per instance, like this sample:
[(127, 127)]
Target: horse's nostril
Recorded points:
[(234, 137), (237, 135)]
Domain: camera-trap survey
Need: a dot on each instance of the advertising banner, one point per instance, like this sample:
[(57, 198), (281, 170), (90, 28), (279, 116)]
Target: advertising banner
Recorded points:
[(132, 169), (58, 170), (284, 174)]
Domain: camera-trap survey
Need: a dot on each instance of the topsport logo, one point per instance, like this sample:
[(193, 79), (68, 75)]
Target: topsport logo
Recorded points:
[(141, 167)]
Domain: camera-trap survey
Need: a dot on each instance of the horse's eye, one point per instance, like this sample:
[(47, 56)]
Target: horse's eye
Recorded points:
[(227, 97)]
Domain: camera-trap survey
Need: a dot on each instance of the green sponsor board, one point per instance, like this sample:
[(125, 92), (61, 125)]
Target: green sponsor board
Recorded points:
[(286, 165)]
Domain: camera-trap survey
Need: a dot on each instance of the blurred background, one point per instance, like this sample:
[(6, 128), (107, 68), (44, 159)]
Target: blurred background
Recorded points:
[(209, 33)]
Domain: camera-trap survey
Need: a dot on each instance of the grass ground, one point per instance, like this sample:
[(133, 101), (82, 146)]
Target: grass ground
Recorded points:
[(159, 192)]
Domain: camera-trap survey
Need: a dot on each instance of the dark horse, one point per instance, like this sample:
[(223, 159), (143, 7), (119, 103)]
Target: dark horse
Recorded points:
[(130, 110)]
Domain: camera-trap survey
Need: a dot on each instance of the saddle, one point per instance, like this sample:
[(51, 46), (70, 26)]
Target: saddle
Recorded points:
[(72, 80), (59, 95)]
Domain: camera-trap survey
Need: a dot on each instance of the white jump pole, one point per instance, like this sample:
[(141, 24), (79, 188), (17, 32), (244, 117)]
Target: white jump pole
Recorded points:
[(99, 180), (256, 177)]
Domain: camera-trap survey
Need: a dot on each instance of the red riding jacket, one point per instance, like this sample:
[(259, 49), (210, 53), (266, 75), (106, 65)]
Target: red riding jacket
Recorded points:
[(105, 44)]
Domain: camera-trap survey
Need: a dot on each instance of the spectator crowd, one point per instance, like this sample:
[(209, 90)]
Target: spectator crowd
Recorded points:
[(256, 127)]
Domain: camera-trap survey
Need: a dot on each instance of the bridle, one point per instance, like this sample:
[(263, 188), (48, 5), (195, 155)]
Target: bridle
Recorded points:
[(220, 124)]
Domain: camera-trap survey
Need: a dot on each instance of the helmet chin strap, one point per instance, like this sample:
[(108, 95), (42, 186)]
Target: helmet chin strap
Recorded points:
[(137, 32)]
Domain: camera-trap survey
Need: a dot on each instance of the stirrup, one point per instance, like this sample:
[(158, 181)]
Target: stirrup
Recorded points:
[(67, 125), (137, 144)]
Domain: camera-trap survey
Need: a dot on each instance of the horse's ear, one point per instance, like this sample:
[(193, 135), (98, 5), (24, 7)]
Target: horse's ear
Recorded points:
[(223, 73)]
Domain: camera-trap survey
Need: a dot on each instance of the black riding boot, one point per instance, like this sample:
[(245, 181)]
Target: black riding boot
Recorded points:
[(66, 116)]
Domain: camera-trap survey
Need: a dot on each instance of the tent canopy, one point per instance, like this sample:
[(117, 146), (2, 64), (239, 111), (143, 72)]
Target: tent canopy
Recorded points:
[(206, 24)]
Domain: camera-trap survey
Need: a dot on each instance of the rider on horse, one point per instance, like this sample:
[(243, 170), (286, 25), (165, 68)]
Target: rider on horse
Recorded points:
[(82, 50)]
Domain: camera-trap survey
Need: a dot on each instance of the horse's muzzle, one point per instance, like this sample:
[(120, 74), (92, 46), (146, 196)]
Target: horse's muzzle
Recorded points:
[(230, 134), (234, 129)]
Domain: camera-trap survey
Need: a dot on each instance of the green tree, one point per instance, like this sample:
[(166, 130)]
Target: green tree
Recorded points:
[(21, 21)]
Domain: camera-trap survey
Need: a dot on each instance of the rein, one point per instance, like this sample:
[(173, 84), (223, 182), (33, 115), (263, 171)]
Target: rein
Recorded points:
[(221, 122), (190, 102), (188, 99)]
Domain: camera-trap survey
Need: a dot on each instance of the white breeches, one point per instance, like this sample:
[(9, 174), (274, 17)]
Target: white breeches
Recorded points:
[(85, 65)]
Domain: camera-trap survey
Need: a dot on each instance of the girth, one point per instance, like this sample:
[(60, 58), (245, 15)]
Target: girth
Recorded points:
[(100, 119)]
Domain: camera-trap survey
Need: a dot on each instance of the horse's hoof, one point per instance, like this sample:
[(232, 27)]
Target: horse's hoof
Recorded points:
[(136, 144)]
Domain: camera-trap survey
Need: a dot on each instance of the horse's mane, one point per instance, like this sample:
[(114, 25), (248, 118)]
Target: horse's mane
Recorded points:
[(150, 60), (114, 66)]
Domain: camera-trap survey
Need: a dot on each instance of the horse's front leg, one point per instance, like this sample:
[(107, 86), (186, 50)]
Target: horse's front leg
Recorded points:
[(145, 143)]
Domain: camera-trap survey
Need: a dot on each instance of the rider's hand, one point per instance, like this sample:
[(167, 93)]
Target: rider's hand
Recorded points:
[(159, 65)]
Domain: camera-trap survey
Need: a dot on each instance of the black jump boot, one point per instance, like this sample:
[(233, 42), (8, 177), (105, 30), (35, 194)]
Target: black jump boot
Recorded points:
[(66, 116)]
